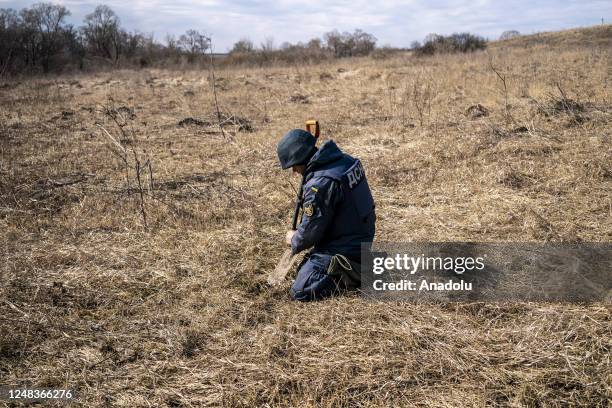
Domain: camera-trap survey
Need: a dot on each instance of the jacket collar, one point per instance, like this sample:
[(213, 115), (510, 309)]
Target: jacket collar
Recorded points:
[(328, 152)]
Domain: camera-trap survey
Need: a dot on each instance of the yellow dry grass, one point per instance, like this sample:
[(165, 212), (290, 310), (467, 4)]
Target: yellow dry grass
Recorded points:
[(179, 315)]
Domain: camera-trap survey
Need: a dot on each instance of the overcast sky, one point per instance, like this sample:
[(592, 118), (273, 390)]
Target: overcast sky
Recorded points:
[(393, 22)]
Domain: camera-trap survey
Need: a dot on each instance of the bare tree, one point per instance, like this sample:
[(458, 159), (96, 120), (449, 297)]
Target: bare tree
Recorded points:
[(507, 35), (458, 42), (171, 42), (268, 44), (432, 38), (244, 45), (172, 49), (314, 44), (194, 44), (102, 32), (349, 44), (363, 43), (9, 38), (44, 23), (333, 41), (38, 37)]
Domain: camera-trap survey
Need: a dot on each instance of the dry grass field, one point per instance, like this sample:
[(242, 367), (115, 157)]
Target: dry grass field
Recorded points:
[(176, 312)]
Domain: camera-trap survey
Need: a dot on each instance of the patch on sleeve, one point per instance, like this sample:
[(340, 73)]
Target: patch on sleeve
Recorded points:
[(309, 209)]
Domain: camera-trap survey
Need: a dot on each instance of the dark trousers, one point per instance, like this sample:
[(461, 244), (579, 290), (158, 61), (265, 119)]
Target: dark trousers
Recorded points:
[(312, 281)]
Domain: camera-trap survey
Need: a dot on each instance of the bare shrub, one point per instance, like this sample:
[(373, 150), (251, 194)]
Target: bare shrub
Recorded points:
[(350, 44), (420, 92), (134, 158), (459, 42), (243, 46), (508, 35)]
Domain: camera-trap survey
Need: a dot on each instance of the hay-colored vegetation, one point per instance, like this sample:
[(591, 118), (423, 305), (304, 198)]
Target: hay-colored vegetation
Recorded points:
[(178, 314)]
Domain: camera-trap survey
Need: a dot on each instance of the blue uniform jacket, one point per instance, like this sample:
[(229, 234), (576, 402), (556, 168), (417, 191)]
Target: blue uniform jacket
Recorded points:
[(338, 208)]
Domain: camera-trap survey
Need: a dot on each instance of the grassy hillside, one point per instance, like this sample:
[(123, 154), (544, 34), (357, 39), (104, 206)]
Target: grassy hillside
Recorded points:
[(176, 312), (595, 36)]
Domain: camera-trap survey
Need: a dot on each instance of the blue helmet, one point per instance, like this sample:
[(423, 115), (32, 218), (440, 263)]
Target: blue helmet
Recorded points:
[(296, 147)]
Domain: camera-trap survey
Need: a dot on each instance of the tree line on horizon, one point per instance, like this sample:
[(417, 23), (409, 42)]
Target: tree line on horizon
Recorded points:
[(39, 40)]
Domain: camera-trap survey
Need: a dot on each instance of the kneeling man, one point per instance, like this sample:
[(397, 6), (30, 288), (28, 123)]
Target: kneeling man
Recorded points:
[(338, 212)]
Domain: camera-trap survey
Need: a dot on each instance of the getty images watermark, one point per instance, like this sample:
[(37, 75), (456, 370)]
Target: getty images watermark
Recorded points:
[(413, 264), (455, 271)]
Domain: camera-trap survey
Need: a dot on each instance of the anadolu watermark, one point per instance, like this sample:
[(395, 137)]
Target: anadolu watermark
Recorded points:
[(456, 271)]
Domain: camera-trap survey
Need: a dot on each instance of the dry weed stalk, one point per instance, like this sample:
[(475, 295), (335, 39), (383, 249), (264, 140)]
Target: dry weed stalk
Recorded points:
[(502, 77), (211, 67), (421, 93), (138, 166)]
